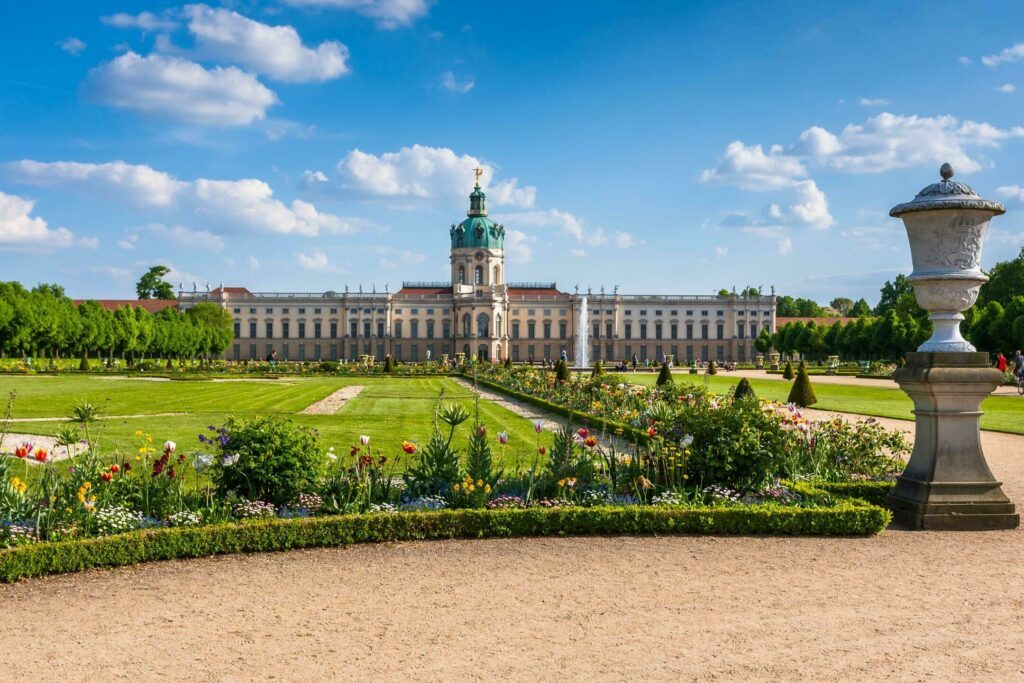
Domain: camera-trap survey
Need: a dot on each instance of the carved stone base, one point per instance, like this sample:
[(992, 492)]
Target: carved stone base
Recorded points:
[(947, 483)]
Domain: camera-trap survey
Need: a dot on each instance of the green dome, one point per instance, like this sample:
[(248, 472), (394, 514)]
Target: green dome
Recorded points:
[(478, 231)]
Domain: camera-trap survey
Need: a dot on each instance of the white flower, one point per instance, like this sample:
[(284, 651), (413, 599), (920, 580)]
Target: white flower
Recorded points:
[(688, 440), (364, 439), (169, 446), (230, 460), (202, 462)]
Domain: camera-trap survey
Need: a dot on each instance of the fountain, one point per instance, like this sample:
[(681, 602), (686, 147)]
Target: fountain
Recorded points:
[(582, 359)]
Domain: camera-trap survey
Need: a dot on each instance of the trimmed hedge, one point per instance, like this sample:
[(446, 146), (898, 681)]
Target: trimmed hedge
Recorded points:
[(599, 423), (846, 518), (873, 492)]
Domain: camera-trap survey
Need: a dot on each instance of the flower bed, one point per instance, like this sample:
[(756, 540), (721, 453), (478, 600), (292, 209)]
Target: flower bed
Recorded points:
[(847, 517)]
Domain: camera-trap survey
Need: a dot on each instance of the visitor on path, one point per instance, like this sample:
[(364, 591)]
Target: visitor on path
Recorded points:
[(1001, 362), (272, 359), (635, 361), (1018, 364)]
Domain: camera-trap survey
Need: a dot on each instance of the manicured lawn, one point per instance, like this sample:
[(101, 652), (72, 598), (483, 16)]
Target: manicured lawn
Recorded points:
[(388, 409), (1002, 413)]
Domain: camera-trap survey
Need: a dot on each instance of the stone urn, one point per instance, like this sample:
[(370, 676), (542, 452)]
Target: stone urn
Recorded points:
[(946, 225), (947, 483), (775, 361)]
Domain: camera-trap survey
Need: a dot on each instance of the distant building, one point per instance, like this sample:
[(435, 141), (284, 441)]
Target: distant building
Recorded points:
[(478, 313)]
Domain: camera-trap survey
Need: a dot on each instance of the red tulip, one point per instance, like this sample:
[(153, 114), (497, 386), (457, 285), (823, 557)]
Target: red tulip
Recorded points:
[(41, 454)]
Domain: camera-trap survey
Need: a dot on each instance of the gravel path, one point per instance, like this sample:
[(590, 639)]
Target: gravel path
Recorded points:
[(333, 403), (904, 606)]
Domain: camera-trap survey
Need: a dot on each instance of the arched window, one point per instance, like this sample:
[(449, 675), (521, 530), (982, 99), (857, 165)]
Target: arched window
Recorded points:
[(497, 275), (462, 275), (478, 275), (497, 325), (483, 325), (467, 325)]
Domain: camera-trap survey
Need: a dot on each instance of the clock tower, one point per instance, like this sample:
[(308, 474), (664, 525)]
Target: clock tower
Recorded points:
[(479, 292)]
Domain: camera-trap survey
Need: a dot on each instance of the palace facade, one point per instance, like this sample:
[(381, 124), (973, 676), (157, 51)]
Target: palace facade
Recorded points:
[(479, 313)]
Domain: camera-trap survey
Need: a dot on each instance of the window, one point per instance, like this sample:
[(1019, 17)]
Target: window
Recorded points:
[(704, 314), (316, 311), (532, 311), (252, 351), (238, 310), (515, 330), (562, 330), (252, 329), (317, 329), (302, 329), (657, 313), (628, 312), (720, 331), (703, 333), (252, 310), (270, 310), (302, 352), (689, 313), (354, 331), (446, 329), (657, 330), (720, 314), (302, 311), (398, 329), (238, 329), (237, 351), (753, 330), (366, 329), (334, 352), (269, 329), (531, 331), (689, 330), (547, 311), (547, 333), (316, 352), (430, 328), (334, 331), (284, 329), (741, 330), (674, 330), (629, 330), (462, 275), (415, 311), (609, 330), (284, 351), (643, 312), (414, 330), (597, 330), (334, 311), (643, 330), (380, 329), (478, 275)]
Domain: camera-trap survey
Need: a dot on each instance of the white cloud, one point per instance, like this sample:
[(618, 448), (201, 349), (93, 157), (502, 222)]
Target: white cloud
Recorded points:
[(128, 242), (313, 177), (71, 45), (518, 246), (1006, 87), (314, 259), (427, 172), (810, 206), (749, 168), (1010, 54), (1012, 193), (399, 258), (890, 141), (246, 204), (963, 59), (146, 21), (721, 251), (177, 88), (388, 14), (449, 82), (254, 262), (113, 272), (276, 51), (874, 101), (570, 225), (180, 235), (19, 229), (623, 240), (578, 253), (778, 234)]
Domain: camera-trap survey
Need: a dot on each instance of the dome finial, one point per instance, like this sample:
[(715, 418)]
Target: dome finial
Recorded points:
[(946, 171), (478, 172)]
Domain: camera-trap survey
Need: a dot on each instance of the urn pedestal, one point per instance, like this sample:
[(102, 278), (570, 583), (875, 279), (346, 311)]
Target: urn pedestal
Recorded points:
[(947, 483)]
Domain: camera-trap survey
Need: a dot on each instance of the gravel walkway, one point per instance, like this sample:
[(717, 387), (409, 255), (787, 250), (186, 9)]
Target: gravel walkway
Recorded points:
[(333, 403)]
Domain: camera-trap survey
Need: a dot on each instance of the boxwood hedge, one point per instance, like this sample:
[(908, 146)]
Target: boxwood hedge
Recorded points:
[(842, 517)]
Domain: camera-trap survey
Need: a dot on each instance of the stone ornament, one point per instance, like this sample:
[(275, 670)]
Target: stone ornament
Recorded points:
[(946, 225)]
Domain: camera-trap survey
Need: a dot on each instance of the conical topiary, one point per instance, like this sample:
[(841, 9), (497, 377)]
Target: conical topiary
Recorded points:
[(665, 376), (389, 365), (598, 370), (712, 368), (84, 365), (562, 373), (788, 372), (508, 363), (802, 393), (744, 390)]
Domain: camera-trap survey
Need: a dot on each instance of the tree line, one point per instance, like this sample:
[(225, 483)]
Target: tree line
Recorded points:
[(43, 322), (898, 324)]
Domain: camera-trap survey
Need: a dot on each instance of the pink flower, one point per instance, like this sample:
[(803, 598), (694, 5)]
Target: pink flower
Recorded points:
[(364, 439)]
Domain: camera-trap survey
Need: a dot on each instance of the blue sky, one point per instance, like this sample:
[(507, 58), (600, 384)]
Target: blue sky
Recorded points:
[(665, 147)]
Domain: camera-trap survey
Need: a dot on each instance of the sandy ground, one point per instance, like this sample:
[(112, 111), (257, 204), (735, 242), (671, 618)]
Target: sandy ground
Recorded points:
[(903, 606), (334, 402)]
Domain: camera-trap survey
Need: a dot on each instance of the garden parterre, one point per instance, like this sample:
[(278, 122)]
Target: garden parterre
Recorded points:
[(696, 452)]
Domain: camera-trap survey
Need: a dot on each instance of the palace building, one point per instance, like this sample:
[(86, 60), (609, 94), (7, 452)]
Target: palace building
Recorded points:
[(478, 312)]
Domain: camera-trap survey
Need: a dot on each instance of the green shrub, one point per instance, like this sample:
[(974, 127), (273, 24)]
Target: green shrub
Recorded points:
[(276, 459), (389, 364), (665, 376), (562, 372), (802, 393), (744, 390), (693, 369), (437, 469), (508, 362), (712, 368), (846, 517), (84, 364), (479, 459), (598, 369), (788, 372)]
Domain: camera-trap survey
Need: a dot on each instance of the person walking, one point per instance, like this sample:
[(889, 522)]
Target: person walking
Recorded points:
[(1018, 363), (1001, 363)]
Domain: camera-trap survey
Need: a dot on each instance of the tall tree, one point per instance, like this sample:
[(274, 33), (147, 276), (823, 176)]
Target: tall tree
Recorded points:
[(153, 286), (842, 305)]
